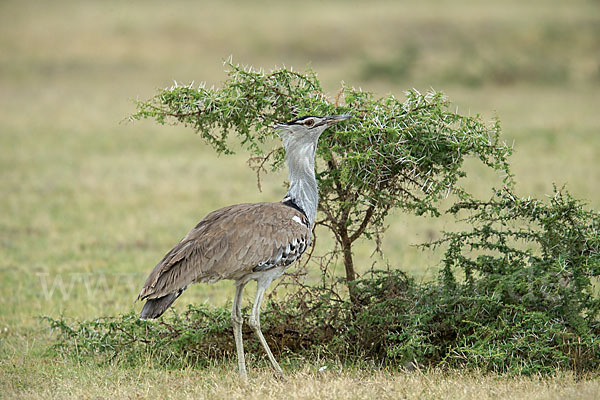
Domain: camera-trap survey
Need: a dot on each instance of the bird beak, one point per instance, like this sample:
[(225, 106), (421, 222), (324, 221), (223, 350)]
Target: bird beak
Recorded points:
[(336, 118)]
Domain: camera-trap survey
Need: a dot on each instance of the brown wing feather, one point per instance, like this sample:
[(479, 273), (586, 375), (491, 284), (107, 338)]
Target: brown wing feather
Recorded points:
[(227, 244)]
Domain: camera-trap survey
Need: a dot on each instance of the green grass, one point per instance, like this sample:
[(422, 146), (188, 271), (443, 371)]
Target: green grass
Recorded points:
[(95, 202)]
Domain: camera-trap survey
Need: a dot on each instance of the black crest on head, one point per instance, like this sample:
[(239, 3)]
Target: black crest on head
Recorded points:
[(300, 120)]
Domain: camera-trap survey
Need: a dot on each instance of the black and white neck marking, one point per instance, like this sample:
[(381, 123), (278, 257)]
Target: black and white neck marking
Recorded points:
[(288, 201)]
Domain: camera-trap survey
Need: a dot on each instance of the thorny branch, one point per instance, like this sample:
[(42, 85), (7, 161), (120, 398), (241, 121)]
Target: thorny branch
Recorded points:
[(257, 163)]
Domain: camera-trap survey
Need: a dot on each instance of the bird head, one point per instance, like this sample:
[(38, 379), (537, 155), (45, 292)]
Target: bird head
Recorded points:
[(305, 131)]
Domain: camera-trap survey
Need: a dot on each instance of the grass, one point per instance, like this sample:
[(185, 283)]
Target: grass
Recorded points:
[(96, 203), (305, 383)]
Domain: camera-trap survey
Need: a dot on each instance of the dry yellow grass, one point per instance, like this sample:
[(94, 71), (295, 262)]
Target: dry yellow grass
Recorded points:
[(308, 383)]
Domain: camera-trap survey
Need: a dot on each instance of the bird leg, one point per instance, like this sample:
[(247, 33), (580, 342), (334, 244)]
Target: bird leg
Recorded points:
[(254, 322), (237, 321)]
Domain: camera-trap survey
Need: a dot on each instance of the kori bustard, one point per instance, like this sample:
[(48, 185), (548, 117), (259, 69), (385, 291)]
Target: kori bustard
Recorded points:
[(247, 242)]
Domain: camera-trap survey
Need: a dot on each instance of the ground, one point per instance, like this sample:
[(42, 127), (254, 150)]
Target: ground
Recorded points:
[(90, 203)]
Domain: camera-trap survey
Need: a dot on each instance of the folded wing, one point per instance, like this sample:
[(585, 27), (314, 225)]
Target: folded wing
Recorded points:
[(230, 243)]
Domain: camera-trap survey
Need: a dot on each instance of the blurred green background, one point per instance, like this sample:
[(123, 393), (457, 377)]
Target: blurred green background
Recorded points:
[(90, 204)]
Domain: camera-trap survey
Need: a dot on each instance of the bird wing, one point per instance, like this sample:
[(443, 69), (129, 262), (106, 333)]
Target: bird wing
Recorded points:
[(230, 243)]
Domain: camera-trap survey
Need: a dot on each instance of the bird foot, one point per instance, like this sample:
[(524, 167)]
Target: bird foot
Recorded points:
[(279, 375)]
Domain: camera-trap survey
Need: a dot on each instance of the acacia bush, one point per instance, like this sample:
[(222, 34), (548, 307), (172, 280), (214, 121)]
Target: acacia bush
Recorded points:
[(515, 291), (391, 154)]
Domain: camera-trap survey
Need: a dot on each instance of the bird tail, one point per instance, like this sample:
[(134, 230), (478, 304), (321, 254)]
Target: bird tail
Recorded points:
[(154, 308)]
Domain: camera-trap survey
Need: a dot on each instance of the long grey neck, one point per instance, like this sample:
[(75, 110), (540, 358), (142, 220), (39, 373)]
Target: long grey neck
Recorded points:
[(303, 184)]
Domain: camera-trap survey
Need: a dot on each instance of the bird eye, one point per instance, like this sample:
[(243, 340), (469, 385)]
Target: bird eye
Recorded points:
[(309, 123)]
